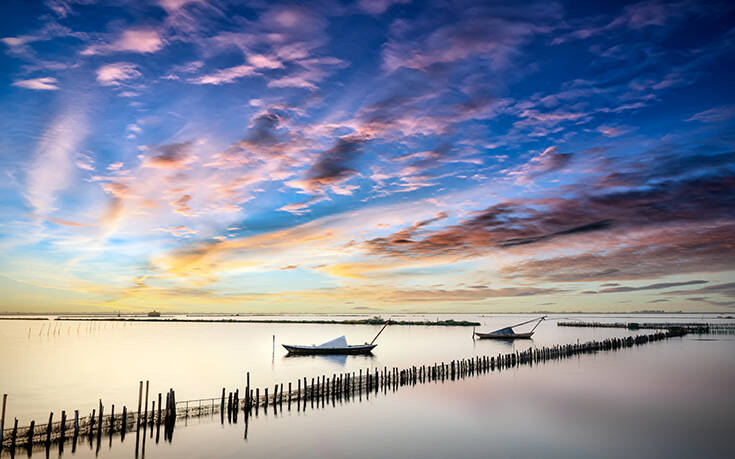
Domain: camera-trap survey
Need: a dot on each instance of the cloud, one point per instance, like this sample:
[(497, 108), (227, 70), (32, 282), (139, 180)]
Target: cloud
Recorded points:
[(635, 17), (726, 289), (139, 40), (62, 222), (181, 205), (423, 295), (613, 131), (171, 156), (53, 164), (550, 160), (659, 213), (38, 84), (376, 7), (714, 115), (261, 61), (171, 6), (488, 32), (227, 75), (178, 231), (646, 255), (503, 225), (84, 161), (333, 166), (203, 262), (657, 286), (581, 229), (300, 208), (113, 74)]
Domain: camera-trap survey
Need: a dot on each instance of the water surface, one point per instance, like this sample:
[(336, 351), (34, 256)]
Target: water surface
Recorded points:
[(670, 398)]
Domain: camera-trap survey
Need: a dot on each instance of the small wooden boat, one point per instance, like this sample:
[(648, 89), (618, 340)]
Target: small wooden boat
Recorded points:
[(337, 346), (508, 333)]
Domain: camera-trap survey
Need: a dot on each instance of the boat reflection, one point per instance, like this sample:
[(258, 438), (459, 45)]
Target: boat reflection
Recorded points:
[(337, 359)]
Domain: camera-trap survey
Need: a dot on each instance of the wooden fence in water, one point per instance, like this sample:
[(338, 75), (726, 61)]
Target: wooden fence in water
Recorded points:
[(345, 386), (692, 327)]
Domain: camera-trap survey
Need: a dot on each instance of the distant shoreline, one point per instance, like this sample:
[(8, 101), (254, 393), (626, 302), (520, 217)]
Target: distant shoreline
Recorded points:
[(373, 321), (31, 315)]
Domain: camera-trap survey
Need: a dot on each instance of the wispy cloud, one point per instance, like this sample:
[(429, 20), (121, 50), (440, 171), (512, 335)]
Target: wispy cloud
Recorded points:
[(714, 115), (38, 84), (227, 75), (136, 40), (53, 164), (114, 74)]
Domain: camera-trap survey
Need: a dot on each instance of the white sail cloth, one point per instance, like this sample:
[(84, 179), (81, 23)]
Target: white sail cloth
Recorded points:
[(335, 343)]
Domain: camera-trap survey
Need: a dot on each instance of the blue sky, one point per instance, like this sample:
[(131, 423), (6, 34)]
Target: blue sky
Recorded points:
[(366, 156)]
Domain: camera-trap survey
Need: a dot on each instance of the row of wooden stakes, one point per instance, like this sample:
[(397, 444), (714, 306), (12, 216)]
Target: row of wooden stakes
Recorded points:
[(339, 386)]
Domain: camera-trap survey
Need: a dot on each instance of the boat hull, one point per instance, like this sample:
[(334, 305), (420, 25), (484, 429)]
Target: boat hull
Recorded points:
[(313, 350), (504, 337)]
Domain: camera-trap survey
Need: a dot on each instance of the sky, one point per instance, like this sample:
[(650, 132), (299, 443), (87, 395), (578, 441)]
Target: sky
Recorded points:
[(369, 156)]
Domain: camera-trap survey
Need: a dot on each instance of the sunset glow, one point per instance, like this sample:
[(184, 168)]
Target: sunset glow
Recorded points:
[(370, 156)]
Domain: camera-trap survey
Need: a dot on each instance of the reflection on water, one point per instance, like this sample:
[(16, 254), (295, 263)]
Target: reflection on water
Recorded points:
[(336, 360)]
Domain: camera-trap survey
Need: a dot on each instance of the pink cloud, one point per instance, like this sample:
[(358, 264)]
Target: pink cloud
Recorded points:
[(227, 75), (38, 84), (113, 74), (262, 61), (143, 40)]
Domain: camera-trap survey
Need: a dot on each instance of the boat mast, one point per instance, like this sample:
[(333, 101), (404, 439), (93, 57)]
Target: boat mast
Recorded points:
[(381, 331), (541, 319)]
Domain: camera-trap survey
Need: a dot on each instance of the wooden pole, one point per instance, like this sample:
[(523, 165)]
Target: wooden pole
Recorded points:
[(248, 400), (99, 424), (63, 426), (145, 415), (112, 418), (30, 433), (140, 400), (173, 403), (159, 409), (2, 419), (14, 434), (48, 427)]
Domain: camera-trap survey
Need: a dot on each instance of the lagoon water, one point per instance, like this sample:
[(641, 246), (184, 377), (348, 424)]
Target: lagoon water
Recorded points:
[(667, 399)]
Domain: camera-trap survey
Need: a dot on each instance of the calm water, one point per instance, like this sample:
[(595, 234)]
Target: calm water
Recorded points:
[(673, 398)]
